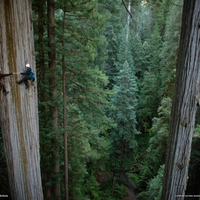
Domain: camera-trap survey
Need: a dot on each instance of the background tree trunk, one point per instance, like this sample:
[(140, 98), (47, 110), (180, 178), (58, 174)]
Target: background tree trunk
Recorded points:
[(53, 95), (19, 109), (65, 113), (43, 95), (184, 104)]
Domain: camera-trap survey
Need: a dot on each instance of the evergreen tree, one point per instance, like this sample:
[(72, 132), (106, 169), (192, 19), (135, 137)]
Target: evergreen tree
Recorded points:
[(170, 48), (154, 157), (155, 185), (138, 55), (155, 154), (94, 35), (184, 105), (150, 86), (86, 98), (158, 12), (112, 35), (123, 136)]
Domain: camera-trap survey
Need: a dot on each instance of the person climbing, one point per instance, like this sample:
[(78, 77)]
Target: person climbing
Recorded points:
[(2, 86), (28, 76)]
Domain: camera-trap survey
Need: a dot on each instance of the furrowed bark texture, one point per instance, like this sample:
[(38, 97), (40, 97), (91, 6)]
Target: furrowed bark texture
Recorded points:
[(184, 104), (19, 109)]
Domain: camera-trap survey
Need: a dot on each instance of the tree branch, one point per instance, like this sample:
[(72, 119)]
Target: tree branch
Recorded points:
[(126, 8)]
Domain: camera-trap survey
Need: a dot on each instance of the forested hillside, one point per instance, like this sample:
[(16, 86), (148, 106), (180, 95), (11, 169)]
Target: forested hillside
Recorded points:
[(106, 73)]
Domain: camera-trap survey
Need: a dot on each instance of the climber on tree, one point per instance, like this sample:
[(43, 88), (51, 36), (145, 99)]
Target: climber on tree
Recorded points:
[(28, 76), (2, 86)]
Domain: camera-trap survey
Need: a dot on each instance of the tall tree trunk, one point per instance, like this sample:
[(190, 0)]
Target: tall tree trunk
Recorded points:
[(128, 22), (184, 104), (53, 88), (43, 94), (19, 109), (64, 112), (121, 169)]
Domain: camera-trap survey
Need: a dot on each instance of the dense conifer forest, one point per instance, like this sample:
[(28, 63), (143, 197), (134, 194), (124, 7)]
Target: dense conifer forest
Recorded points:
[(105, 73)]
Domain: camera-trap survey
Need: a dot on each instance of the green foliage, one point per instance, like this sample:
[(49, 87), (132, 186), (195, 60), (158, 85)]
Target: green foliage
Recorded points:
[(170, 48), (155, 185), (150, 85), (159, 11), (112, 30), (87, 102), (197, 129), (78, 146), (148, 101), (138, 55), (87, 153), (85, 90), (91, 188), (155, 155), (123, 136), (98, 57), (119, 191)]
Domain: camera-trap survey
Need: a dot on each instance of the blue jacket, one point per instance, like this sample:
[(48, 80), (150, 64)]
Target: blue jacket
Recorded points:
[(29, 72)]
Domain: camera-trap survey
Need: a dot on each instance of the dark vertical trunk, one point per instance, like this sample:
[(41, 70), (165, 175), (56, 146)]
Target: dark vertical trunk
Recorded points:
[(121, 170), (43, 95), (53, 94), (41, 64), (184, 104), (64, 112)]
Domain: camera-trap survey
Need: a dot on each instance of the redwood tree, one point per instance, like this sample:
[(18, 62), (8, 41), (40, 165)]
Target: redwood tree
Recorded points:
[(184, 104), (19, 109), (53, 94)]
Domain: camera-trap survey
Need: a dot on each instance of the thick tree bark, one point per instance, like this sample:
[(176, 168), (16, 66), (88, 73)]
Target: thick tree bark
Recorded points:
[(184, 104), (19, 109)]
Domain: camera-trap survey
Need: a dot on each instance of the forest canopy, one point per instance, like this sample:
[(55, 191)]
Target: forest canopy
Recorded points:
[(105, 79)]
